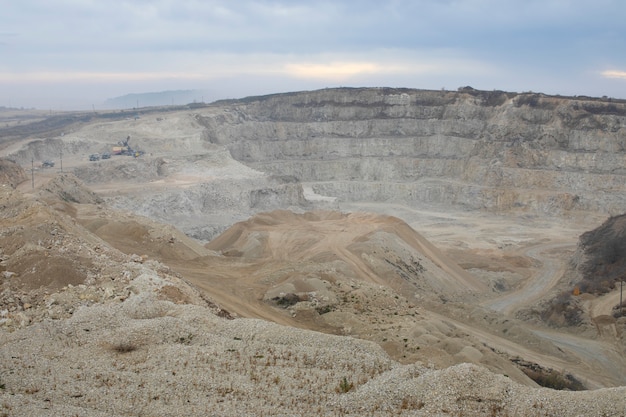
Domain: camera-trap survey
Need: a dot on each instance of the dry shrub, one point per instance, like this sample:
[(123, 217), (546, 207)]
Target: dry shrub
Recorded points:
[(344, 386), (563, 310), (409, 403), (549, 378), (123, 347)]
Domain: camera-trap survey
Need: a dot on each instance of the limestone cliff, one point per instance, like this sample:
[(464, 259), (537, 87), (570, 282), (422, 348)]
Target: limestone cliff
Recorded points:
[(476, 149)]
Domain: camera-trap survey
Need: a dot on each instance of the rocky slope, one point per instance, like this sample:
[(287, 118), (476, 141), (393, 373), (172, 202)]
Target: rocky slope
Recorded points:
[(597, 267), (601, 259), (125, 335), (476, 149), (11, 174)]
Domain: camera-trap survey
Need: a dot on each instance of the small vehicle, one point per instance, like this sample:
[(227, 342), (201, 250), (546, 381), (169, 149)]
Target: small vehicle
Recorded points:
[(94, 157), (106, 155), (47, 164)]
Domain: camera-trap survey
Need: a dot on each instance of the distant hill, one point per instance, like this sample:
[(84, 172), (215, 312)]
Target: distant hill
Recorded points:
[(163, 98)]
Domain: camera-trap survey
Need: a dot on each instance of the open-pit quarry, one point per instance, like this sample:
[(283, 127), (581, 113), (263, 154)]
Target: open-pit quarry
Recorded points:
[(344, 251)]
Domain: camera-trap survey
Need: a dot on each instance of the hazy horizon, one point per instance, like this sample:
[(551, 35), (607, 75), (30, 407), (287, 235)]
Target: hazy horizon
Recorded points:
[(65, 55)]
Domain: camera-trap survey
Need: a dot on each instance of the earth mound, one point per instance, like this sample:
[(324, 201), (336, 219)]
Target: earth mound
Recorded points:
[(69, 188), (366, 247), (146, 356), (50, 264), (11, 173), (43, 253)]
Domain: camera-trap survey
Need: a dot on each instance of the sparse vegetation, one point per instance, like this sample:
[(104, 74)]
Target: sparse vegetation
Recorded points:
[(549, 378), (324, 309), (555, 380), (563, 310), (124, 347), (410, 403), (185, 340), (344, 386), (286, 300)]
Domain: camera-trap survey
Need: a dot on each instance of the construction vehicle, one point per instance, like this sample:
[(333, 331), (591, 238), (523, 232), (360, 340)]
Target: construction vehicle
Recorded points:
[(125, 149)]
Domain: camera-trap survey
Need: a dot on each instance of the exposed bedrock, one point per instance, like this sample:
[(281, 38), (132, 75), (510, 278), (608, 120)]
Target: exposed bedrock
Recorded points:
[(475, 149)]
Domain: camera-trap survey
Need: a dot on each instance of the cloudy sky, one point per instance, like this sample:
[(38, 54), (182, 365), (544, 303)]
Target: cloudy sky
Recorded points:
[(70, 54)]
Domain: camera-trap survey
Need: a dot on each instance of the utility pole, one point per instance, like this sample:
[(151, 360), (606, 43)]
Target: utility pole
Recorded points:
[(32, 172), (61, 158), (621, 307)]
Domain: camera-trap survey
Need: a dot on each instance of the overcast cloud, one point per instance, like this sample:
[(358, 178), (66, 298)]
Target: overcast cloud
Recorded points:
[(77, 53)]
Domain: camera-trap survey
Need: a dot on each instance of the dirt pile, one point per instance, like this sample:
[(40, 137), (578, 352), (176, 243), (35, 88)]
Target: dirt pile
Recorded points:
[(11, 173), (595, 269), (50, 265), (68, 188), (366, 247)]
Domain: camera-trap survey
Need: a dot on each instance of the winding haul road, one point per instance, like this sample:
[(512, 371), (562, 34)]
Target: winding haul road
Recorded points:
[(537, 285), (600, 358)]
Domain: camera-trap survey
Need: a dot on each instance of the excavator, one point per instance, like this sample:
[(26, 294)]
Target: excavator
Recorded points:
[(123, 148)]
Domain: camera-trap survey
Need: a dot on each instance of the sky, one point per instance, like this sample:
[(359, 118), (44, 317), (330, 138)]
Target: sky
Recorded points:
[(75, 54)]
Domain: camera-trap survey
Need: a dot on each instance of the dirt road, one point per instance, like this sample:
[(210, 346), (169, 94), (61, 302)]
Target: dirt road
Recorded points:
[(603, 306), (538, 285)]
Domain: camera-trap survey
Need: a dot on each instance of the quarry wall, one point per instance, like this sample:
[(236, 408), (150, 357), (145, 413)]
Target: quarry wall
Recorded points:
[(476, 149)]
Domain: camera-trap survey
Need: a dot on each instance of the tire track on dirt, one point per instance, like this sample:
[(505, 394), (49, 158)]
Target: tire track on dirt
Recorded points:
[(543, 280)]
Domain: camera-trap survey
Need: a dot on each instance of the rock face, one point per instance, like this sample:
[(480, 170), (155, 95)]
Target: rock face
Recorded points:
[(475, 149), (504, 152), (601, 256)]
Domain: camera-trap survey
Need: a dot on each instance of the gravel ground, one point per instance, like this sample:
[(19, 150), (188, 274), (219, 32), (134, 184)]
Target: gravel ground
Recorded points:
[(146, 356), (136, 340)]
